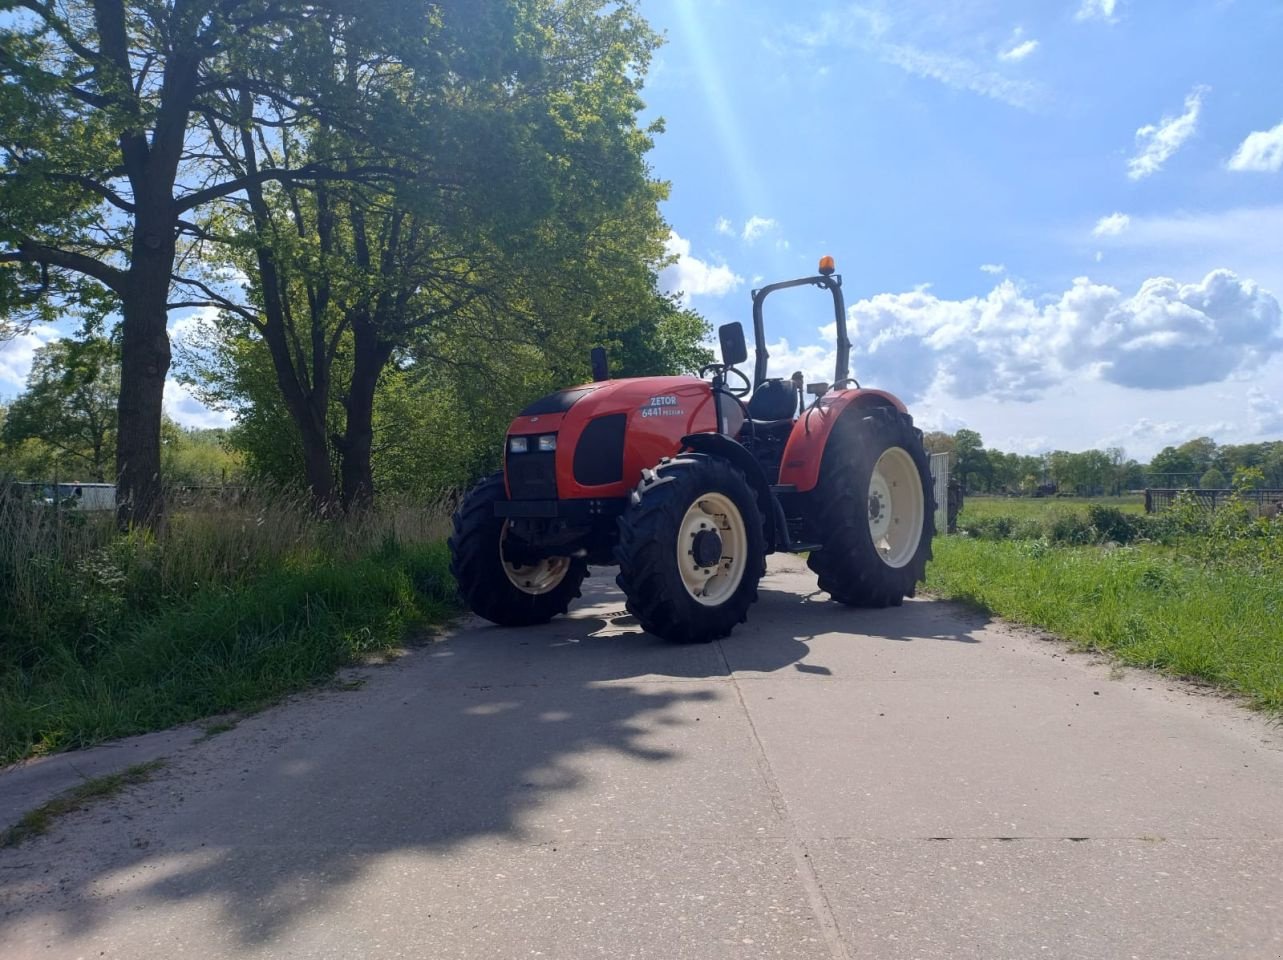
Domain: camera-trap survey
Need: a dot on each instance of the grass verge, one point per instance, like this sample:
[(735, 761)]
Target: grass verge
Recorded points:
[(1147, 604), (223, 648), (39, 820)]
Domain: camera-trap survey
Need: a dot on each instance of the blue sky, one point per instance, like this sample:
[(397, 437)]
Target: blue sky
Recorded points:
[(1060, 224)]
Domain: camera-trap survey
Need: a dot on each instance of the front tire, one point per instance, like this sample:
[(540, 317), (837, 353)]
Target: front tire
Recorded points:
[(509, 594), (873, 510), (691, 550)]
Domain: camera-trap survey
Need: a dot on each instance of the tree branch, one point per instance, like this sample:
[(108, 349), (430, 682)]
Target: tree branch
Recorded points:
[(28, 252), (195, 199), (215, 299)]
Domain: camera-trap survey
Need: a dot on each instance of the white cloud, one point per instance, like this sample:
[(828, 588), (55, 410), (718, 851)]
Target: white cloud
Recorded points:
[(691, 277), (1097, 10), (1260, 152), (1111, 226), (1267, 412), (961, 73), (1157, 142), (17, 354), (1006, 346), (725, 227), (199, 320), (993, 268), (915, 42), (190, 412), (1247, 239), (755, 227), (1019, 51)]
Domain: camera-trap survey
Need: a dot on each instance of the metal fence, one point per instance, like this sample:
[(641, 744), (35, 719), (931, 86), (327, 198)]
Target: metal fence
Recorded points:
[(1157, 499)]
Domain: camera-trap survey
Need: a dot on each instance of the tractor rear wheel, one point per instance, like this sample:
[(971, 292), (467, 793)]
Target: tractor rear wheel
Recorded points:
[(506, 593), (691, 550), (873, 510)]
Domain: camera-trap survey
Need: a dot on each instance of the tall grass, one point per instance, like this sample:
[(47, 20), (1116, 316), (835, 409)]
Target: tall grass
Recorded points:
[(1190, 592), (236, 603)]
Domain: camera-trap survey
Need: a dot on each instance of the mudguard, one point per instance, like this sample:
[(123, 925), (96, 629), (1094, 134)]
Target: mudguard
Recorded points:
[(806, 444)]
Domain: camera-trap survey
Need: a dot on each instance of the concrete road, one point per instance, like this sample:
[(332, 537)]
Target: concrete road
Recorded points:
[(827, 783)]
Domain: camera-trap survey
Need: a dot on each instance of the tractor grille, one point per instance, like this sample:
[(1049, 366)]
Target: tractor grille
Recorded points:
[(599, 454), (532, 476)]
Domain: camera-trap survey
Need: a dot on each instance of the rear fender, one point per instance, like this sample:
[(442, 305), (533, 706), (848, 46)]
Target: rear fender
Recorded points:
[(723, 447), (806, 445)]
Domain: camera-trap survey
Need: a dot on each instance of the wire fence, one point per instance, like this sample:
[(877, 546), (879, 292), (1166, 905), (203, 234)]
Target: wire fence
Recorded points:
[(1160, 498)]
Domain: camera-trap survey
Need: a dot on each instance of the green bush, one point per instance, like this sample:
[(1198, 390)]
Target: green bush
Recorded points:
[(1112, 525)]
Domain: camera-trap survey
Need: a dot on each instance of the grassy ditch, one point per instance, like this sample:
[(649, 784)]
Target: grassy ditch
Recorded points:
[(108, 635), (1189, 593)]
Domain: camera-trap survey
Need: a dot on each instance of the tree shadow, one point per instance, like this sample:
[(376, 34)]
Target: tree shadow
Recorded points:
[(479, 739)]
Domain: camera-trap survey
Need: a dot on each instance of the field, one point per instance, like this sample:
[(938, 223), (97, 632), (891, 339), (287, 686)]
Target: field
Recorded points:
[(1192, 594), (978, 507)]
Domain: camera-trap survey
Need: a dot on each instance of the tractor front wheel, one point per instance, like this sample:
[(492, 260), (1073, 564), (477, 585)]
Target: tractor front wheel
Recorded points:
[(506, 593), (691, 550), (873, 510)]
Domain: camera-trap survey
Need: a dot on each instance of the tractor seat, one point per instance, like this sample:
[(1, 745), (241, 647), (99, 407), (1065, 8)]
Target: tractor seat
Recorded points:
[(772, 402)]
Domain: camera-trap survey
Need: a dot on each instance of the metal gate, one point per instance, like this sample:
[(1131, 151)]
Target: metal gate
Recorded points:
[(940, 483)]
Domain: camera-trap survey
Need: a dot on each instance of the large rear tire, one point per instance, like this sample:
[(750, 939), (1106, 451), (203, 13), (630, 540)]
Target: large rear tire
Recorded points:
[(873, 510), (691, 550), (509, 594)]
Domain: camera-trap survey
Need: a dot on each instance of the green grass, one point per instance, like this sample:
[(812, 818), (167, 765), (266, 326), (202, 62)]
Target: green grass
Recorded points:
[(1149, 605), (39, 820), (221, 648), (1027, 508)]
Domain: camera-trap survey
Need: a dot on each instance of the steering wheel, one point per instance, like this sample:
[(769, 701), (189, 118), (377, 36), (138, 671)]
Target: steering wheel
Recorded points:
[(719, 368)]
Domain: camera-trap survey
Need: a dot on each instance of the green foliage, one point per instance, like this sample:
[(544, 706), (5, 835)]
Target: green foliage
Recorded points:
[(1055, 522), (69, 409), (238, 602), (1213, 479), (1247, 479)]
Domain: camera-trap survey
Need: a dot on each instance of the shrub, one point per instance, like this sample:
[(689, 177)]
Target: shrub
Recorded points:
[(1112, 525)]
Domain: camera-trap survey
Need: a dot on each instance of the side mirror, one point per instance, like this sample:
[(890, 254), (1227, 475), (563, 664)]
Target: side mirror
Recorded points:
[(600, 369), (734, 350)]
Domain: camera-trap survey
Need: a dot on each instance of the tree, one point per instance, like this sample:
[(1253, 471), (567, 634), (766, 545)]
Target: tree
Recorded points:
[(466, 261), (69, 406), (1213, 479), (114, 164), (972, 460)]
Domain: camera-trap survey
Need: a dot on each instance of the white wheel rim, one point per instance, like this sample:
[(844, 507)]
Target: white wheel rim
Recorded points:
[(896, 507), (714, 583), (536, 578)]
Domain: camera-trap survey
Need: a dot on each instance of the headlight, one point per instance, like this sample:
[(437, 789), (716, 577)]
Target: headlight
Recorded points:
[(517, 444), (548, 442)]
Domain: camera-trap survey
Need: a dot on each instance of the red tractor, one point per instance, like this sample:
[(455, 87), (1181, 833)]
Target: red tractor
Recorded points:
[(687, 488)]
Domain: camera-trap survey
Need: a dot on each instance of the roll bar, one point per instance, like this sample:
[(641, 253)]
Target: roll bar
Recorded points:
[(830, 282)]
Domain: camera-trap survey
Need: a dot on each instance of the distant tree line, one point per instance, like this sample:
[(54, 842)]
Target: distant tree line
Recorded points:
[(1196, 463)]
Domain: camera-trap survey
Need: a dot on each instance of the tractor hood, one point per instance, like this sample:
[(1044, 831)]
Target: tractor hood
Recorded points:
[(606, 433)]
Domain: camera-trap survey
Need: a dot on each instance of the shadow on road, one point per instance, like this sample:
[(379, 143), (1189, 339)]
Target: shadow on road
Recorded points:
[(478, 740)]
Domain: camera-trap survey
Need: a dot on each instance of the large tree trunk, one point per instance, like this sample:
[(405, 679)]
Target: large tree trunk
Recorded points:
[(370, 355), (144, 364)]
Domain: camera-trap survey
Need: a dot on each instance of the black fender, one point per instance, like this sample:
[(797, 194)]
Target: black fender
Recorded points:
[(723, 447)]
